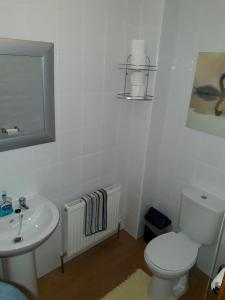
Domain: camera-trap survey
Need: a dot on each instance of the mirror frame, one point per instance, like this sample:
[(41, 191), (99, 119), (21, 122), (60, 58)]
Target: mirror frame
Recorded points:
[(46, 52)]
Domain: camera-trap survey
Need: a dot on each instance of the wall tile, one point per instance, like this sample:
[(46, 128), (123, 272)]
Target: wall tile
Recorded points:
[(95, 27), (12, 20), (109, 137), (111, 108), (118, 11), (70, 74), (70, 144), (108, 166), (41, 4), (206, 177), (209, 150), (45, 154), (13, 161), (71, 111), (92, 136), (93, 74), (47, 180), (41, 25), (115, 41), (71, 173), (70, 24), (114, 78), (91, 167), (93, 108), (69, 5), (134, 12)]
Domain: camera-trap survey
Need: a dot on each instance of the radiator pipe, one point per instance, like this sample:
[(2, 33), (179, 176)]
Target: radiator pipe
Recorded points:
[(62, 255)]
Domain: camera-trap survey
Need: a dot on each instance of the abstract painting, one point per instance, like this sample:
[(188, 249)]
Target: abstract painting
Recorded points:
[(207, 106)]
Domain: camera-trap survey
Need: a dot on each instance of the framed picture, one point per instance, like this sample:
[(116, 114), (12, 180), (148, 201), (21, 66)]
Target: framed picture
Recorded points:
[(207, 105)]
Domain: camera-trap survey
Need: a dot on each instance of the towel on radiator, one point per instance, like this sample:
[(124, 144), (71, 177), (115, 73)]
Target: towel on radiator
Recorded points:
[(95, 212)]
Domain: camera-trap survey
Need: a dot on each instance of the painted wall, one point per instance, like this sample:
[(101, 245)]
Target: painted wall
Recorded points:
[(179, 156), (99, 140)]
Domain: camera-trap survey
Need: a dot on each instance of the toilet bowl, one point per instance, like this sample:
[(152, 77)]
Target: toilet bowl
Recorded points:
[(170, 257)]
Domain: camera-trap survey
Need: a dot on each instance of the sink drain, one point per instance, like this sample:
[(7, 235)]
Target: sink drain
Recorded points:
[(18, 239)]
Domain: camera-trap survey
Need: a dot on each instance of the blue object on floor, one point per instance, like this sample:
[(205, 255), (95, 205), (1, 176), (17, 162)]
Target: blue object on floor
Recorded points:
[(9, 292)]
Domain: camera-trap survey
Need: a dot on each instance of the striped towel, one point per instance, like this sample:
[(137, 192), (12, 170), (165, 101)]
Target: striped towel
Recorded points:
[(95, 212)]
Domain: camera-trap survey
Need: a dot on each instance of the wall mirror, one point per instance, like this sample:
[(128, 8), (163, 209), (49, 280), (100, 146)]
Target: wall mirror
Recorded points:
[(27, 114)]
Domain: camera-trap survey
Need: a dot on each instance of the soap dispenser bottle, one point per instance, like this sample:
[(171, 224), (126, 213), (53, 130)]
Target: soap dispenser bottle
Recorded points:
[(5, 205)]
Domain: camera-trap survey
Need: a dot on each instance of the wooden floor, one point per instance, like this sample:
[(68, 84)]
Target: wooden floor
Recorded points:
[(99, 270)]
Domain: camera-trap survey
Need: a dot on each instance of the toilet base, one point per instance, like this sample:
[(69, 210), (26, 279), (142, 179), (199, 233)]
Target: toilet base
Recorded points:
[(165, 289), (161, 289), (180, 286)]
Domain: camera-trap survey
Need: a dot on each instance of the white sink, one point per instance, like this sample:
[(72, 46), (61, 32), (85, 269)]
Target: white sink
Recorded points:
[(38, 222)]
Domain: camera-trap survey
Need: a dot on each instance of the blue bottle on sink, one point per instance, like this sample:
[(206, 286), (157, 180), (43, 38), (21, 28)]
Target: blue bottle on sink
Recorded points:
[(5, 205)]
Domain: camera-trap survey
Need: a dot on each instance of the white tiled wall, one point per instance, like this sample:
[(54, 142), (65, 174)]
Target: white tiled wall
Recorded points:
[(84, 154), (179, 156), (135, 122), (98, 138)]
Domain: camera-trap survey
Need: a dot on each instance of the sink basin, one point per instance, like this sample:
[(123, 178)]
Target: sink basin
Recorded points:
[(31, 227), (38, 223)]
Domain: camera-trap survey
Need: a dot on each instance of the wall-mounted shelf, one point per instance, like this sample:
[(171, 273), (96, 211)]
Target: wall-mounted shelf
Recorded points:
[(128, 70), (127, 96), (131, 67)]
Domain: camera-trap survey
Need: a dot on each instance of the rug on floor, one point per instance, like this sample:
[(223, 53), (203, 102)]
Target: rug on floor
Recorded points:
[(134, 288)]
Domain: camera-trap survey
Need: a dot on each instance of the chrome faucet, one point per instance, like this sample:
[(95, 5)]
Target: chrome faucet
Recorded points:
[(22, 203)]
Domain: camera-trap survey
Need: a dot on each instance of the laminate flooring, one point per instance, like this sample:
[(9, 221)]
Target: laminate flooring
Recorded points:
[(97, 271)]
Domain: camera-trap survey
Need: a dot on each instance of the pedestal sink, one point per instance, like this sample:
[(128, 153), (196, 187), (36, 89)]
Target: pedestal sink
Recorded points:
[(16, 246)]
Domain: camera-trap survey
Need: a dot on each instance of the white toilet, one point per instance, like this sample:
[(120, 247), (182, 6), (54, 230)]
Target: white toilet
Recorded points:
[(170, 256)]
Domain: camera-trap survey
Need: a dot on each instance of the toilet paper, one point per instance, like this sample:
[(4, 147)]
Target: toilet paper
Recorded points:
[(138, 88), (138, 91), (217, 281), (137, 78), (138, 47), (138, 55)]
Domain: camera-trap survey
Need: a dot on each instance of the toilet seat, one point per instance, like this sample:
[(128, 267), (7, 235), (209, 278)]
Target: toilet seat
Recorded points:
[(171, 252)]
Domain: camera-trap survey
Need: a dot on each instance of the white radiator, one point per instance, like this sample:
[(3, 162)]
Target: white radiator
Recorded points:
[(75, 242)]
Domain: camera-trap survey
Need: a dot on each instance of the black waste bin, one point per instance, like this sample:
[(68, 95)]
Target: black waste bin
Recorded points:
[(156, 223)]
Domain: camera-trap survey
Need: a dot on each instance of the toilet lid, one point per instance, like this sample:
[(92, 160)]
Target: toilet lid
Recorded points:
[(172, 252)]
